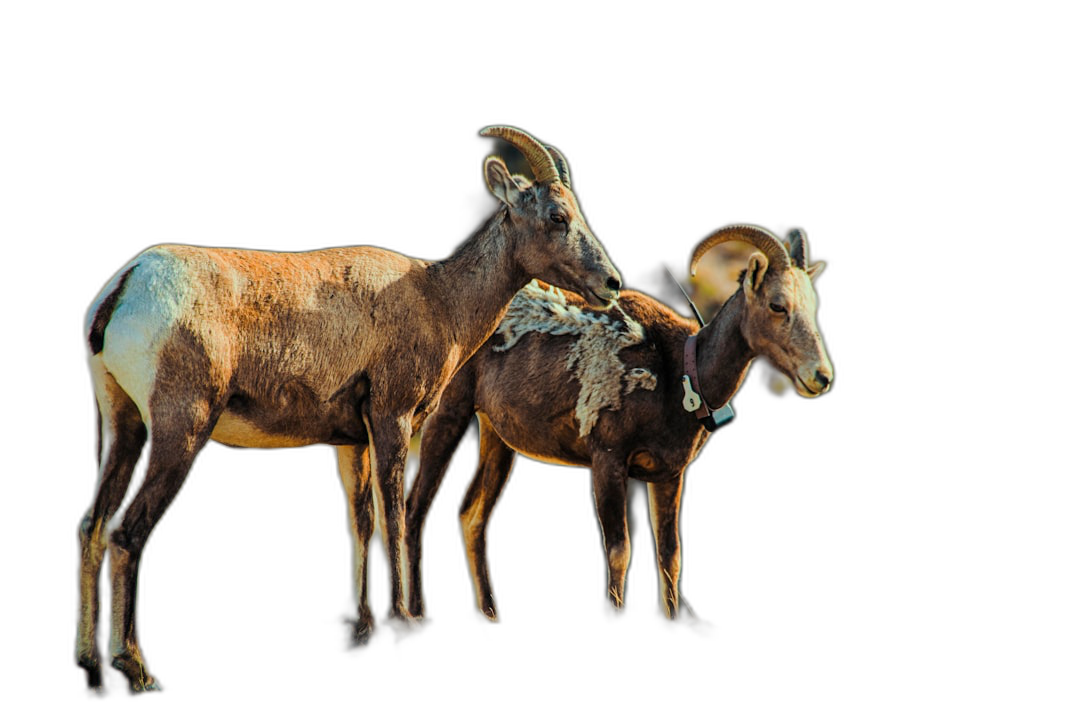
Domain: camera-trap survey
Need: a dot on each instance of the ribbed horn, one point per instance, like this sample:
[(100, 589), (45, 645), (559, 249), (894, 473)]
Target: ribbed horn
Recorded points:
[(800, 247), (759, 237), (539, 159), (560, 164)]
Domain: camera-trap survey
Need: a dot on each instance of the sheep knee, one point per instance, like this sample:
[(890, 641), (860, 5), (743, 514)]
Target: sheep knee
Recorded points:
[(122, 541), (472, 524), (618, 557), (86, 525)]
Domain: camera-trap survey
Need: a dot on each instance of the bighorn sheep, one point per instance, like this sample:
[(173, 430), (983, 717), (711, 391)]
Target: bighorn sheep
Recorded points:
[(347, 346), (613, 391)]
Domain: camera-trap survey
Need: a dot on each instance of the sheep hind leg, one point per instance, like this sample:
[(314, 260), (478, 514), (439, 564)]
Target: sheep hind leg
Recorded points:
[(122, 435), (442, 434), (175, 441), (354, 467), (496, 460)]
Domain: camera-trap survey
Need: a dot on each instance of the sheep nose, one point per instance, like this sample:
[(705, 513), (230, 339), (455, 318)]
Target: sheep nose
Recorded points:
[(613, 283), (823, 380)]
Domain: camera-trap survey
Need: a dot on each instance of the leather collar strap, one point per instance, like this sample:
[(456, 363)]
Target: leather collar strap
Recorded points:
[(690, 367), (693, 400)]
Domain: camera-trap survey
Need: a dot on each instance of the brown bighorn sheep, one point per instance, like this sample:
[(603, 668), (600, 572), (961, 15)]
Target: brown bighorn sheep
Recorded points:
[(614, 391), (347, 346)]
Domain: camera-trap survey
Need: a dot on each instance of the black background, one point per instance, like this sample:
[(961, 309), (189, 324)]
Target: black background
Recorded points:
[(793, 554)]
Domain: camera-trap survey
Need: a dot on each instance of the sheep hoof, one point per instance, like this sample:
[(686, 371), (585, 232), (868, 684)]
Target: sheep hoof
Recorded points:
[(92, 666), (490, 614), (138, 678), (361, 630)]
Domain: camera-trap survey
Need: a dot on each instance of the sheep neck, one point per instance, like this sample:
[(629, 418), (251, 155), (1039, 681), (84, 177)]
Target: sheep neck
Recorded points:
[(723, 354), (477, 283)]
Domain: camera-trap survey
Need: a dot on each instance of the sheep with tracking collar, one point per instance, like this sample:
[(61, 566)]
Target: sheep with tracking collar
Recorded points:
[(617, 391)]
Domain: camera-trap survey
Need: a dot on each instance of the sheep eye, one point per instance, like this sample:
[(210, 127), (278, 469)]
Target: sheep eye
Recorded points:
[(777, 308), (558, 218)]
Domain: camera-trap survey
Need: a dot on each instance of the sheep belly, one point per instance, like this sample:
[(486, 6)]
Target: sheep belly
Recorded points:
[(236, 431), (555, 440), (291, 420)]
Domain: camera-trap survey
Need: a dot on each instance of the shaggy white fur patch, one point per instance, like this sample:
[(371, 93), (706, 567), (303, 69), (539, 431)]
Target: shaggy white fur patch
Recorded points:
[(593, 359)]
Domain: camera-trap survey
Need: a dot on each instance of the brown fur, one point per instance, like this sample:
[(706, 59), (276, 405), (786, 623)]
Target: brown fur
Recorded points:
[(346, 346), (526, 400)]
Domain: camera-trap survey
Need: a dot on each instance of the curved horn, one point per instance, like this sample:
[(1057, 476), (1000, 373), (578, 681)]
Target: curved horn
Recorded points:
[(560, 164), (540, 162), (799, 247), (759, 237)]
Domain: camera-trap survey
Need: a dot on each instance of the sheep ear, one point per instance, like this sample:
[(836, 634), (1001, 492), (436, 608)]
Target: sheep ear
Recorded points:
[(755, 272), (502, 184), (814, 270)]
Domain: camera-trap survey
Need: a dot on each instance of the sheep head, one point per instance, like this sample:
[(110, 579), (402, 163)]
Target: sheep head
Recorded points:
[(554, 242), (780, 320)]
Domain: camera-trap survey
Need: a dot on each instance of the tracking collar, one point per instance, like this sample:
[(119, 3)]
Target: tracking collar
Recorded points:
[(693, 401)]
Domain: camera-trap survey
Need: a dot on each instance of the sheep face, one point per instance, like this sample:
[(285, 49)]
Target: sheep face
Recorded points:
[(781, 323), (552, 240)]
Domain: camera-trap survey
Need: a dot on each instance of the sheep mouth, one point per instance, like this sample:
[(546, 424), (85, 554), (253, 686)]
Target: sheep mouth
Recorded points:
[(601, 299), (805, 390)]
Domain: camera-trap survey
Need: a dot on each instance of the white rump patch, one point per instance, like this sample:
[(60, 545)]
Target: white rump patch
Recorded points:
[(593, 359)]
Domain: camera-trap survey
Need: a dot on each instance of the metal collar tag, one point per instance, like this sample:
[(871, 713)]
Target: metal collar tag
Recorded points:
[(691, 401)]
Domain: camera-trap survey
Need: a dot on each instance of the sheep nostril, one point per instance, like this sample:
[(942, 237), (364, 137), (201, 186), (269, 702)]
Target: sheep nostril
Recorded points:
[(823, 380), (613, 283)]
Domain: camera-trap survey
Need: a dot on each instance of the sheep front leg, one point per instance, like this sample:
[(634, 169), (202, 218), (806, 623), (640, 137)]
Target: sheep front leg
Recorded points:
[(389, 448), (664, 504), (609, 493), (355, 469)]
